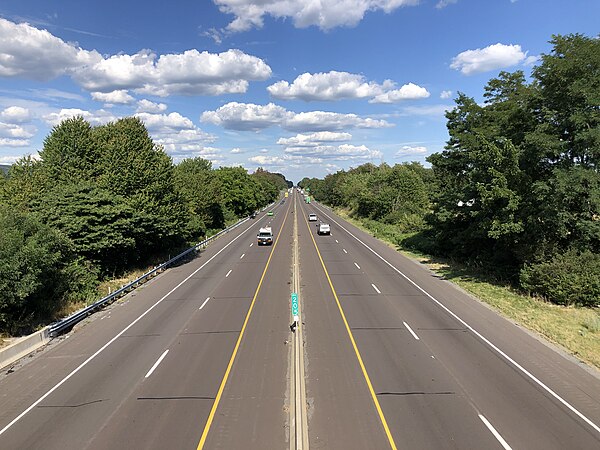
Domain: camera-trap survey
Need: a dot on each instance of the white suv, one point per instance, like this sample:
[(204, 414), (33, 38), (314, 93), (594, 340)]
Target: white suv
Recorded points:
[(312, 217)]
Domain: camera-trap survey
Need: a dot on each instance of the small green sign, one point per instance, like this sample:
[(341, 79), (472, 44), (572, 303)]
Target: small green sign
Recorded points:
[(295, 305)]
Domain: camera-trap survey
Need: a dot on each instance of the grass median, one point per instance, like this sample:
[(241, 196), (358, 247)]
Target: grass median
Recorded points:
[(575, 329)]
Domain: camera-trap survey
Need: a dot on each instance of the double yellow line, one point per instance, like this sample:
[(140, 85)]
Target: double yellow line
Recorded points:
[(213, 410), (354, 346)]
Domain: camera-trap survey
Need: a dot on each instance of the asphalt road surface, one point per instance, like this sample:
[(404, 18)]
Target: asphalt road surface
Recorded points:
[(395, 357)]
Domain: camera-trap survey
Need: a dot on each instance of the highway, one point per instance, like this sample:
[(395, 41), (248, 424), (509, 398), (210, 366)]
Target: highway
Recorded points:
[(394, 357)]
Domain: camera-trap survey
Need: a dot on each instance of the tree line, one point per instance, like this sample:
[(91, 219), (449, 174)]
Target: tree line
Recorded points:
[(99, 201), (516, 191)]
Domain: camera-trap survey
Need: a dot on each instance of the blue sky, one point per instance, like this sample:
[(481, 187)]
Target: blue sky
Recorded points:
[(301, 87)]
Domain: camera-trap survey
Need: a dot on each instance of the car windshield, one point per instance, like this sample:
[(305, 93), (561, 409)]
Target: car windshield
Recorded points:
[(265, 234)]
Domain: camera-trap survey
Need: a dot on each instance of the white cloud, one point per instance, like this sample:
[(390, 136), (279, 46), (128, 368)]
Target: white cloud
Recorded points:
[(310, 140), (333, 85), (251, 117), (147, 106), (428, 110), (236, 151), (99, 117), (326, 86), (177, 134), (11, 130), (15, 114), (188, 73), (446, 95), (411, 151), (443, 3), (28, 52), (120, 97), (246, 116), (492, 57), (409, 91), (5, 142), (11, 159), (264, 160), (325, 14), (330, 121)]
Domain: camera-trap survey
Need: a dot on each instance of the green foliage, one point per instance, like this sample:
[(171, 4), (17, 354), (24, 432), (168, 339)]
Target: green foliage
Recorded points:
[(102, 226), (69, 152), (26, 183), (568, 278), (518, 181), (36, 270)]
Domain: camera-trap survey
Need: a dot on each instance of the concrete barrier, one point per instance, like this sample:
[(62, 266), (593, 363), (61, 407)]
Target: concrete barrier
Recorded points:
[(23, 346)]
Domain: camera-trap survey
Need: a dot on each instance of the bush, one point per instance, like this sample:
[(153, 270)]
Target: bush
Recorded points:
[(569, 278)]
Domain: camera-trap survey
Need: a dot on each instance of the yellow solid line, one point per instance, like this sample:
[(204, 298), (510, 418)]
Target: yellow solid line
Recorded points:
[(237, 344), (360, 361)]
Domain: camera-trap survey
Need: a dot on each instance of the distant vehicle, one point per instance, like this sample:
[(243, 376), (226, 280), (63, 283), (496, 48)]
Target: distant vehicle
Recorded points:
[(282, 202), (312, 217), (323, 228), (253, 215), (265, 236), (270, 213), (286, 195)]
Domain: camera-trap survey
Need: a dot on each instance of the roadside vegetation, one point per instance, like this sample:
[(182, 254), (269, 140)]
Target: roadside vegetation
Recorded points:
[(510, 210), (99, 203)]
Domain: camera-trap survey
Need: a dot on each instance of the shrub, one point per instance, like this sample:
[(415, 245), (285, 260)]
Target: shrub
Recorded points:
[(568, 278)]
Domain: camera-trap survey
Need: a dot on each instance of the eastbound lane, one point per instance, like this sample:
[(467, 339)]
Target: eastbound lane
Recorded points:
[(449, 388)]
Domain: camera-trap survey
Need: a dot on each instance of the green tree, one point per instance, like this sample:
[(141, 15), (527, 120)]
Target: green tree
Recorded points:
[(36, 270), (69, 153)]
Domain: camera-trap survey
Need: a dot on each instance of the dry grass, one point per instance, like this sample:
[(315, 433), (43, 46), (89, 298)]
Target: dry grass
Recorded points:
[(575, 329)]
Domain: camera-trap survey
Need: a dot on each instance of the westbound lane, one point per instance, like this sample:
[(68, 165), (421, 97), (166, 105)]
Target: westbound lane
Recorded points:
[(387, 312), (75, 412)]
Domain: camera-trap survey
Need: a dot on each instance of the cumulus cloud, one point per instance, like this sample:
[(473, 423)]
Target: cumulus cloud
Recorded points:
[(333, 85), (99, 117), (325, 86), (120, 97), (28, 52), (150, 107), (251, 117), (176, 133), (236, 150), (409, 91), (492, 57), (246, 116), (411, 151), (189, 73), (15, 114), (325, 14), (264, 160), (310, 140), (446, 95)]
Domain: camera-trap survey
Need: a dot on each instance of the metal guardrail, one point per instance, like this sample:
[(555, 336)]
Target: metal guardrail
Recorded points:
[(65, 324)]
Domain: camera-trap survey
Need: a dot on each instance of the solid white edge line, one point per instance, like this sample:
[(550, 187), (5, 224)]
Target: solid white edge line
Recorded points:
[(205, 302), (411, 331), (357, 266), (479, 335), (101, 349), (376, 288), (495, 433), (158, 361), (230, 270)]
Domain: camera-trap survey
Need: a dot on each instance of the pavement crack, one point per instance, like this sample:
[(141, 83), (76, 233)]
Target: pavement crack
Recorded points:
[(73, 406), (179, 397)]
